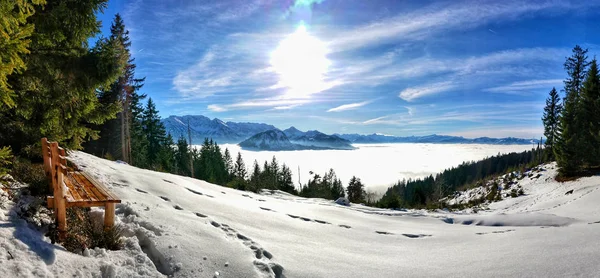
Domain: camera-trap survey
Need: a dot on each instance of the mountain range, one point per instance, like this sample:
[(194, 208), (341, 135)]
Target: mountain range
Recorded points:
[(258, 135)]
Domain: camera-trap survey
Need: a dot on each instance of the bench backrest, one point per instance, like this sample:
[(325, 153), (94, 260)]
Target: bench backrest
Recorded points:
[(55, 165)]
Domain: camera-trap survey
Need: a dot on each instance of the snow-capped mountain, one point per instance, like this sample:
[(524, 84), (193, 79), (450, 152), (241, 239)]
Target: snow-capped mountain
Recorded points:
[(203, 127), (317, 139), (434, 138)]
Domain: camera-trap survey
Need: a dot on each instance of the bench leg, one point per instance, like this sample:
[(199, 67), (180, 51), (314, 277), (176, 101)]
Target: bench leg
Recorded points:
[(109, 215), (61, 217)]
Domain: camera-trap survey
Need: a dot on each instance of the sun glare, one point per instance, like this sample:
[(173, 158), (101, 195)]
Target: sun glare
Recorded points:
[(301, 62)]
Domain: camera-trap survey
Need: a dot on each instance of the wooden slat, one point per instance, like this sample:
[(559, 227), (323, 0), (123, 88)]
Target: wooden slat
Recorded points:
[(74, 190), (101, 187), (73, 185), (89, 193), (76, 183)]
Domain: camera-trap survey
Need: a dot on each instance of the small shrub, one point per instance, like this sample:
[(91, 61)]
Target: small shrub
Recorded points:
[(513, 193), (521, 192), (33, 174), (83, 233)]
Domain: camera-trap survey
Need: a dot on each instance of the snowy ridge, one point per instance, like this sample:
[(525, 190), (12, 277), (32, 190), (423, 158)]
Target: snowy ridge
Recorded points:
[(182, 227)]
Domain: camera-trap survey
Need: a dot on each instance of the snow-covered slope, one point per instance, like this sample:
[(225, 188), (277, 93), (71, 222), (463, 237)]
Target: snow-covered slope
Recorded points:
[(190, 228)]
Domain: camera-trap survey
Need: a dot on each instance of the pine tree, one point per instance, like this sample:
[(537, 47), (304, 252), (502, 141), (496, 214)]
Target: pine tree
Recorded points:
[(228, 162), (155, 133), (550, 120), (240, 171), (356, 190), (16, 33), (56, 95), (285, 180), (568, 151), (118, 135), (590, 115), (182, 158), (255, 178)]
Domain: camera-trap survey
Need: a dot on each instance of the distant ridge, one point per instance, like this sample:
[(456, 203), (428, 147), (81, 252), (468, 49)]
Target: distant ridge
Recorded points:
[(235, 132)]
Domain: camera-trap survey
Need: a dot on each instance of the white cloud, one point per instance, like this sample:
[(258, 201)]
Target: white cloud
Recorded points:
[(375, 121), (216, 108), (349, 106), (413, 93), (526, 86), (436, 18)]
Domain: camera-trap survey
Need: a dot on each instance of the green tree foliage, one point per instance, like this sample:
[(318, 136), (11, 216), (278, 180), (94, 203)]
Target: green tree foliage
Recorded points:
[(120, 136), (550, 120), (5, 160), (239, 169), (327, 187), (15, 33), (571, 129), (356, 190), (56, 95), (210, 165), (183, 157), (285, 180), (590, 115), (228, 162)]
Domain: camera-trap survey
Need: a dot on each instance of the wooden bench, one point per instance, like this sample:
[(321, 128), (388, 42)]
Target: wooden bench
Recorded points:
[(73, 188)]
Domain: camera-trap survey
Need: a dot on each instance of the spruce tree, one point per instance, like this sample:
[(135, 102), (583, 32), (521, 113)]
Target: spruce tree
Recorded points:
[(550, 120), (356, 190), (155, 133), (228, 162), (240, 171), (285, 180), (182, 158), (56, 95), (590, 115), (571, 131), (16, 33)]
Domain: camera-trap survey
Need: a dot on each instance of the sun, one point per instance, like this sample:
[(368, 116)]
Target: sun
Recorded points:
[(301, 62)]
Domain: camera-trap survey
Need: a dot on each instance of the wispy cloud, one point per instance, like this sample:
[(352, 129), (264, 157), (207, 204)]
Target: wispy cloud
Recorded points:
[(527, 86), (349, 106), (375, 120), (282, 104), (413, 93), (437, 18)]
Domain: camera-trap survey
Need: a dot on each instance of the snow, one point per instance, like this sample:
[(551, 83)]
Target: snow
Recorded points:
[(183, 227)]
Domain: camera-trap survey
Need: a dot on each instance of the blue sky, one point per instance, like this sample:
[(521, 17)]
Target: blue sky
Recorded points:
[(469, 68)]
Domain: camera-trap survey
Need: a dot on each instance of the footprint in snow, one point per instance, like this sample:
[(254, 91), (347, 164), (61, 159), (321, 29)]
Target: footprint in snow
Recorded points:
[(321, 222), (415, 235), (177, 207), (597, 222), (165, 198), (293, 216), (142, 191), (200, 215), (267, 209), (345, 226), (167, 181), (195, 192), (383, 233)]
